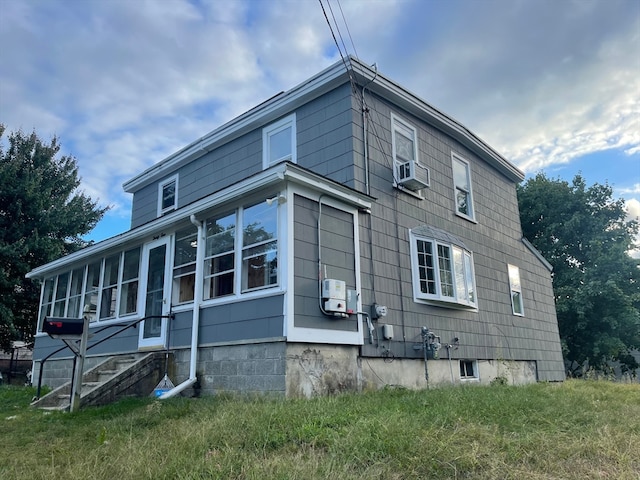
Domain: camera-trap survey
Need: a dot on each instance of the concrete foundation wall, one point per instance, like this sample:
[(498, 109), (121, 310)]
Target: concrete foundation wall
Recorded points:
[(242, 368), (307, 370)]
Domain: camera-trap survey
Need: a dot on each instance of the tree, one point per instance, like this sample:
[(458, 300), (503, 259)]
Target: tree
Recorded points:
[(42, 217), (583, 233)]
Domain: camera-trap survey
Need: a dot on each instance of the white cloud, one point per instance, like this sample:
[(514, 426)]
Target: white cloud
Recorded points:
[(124, 84)]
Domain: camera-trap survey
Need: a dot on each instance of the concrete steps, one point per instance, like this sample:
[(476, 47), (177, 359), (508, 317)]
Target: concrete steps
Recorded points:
[(115, 378)]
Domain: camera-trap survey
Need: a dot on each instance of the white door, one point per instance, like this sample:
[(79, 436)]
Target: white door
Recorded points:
[(156, 281)]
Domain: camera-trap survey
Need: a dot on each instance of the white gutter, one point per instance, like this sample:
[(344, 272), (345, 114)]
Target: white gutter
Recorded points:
[(197, 302)]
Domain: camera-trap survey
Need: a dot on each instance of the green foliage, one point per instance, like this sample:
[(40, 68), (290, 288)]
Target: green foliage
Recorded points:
[(42, 217), (583, 233), (567, 430)]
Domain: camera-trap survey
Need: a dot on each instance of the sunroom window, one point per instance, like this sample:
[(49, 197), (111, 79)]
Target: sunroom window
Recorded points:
[(106, 288), (442, 269), (219, 264), (259, 246), (184, 265)]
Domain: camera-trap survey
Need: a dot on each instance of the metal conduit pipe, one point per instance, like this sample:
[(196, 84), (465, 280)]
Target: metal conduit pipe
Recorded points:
[(197, 302)]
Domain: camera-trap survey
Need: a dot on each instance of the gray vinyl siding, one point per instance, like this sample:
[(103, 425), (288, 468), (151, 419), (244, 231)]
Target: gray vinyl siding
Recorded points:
[(256, 318), (338, 256), (125, 342), (325, 132), (324, 136), (492, 332)]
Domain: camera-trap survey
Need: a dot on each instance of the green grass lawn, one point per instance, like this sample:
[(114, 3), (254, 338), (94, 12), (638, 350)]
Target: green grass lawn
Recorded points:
[(575, 430)]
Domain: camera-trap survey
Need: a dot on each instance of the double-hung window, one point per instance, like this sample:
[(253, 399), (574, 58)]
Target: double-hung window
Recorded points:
[(516, 290), (184, 265), (129, 283), (462, 187), (167, 195), (101, 290), (279, 142), (109, 287), (219, 263), (442, 269), (237, 265), (259, 246), (404, 144)]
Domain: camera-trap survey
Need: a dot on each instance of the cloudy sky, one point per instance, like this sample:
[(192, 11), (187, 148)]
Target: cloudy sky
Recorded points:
[(554, 85)]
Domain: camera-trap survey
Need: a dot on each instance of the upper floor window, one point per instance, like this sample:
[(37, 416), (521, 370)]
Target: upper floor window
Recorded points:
[(462, 187), (516, 290), (442, 269), (404, 141), (167, 195), (279, 142)]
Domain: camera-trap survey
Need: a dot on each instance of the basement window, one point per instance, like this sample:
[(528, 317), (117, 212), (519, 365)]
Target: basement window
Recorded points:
[(468, 370)]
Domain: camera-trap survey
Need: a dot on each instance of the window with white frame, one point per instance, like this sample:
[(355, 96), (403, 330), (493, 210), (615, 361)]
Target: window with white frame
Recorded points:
[(129, 282), (468, 370), (442, 269), (279, 142), (102, 290), (462, 187), (259, 246), (74, 308), (404, 142), (184, 265), (516, 290), (109, 291), (60, 299), (92, 288), (167, 195), (219, 263)]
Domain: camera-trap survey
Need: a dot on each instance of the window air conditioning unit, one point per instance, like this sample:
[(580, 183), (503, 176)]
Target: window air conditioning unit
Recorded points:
[(413, 176)]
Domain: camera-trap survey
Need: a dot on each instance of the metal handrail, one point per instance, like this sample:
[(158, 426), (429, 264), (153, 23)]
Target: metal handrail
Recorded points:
[(171, 316)]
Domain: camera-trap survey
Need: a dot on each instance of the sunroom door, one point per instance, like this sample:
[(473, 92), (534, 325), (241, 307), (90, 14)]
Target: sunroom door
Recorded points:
[(156, 299)]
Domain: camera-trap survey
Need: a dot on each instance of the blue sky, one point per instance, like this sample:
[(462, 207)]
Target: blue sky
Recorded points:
[(553, 85)]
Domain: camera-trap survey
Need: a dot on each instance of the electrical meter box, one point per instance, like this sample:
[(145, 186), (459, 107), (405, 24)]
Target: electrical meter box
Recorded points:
[(334, 294)]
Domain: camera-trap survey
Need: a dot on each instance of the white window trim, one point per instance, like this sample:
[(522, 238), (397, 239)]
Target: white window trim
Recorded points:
[(474, 366), (276, 127), (238, 291), (514, 270), (399, 124), (438, 299), (161, 185), (455, 157)]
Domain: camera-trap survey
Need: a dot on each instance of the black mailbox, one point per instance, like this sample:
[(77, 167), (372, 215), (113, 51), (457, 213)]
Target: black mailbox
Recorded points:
[(63, 326)]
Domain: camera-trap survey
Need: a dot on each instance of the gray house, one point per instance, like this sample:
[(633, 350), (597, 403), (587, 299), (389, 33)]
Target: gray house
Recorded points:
[(343, 235)]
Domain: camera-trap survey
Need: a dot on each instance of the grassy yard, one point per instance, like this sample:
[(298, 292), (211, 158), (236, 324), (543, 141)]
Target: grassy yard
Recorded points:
[(574, 430)]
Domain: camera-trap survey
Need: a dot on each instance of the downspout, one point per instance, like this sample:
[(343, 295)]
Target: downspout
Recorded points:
[(197, 302)]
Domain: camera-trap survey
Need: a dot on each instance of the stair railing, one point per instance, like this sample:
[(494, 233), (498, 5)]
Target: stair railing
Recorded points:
[(124, 327)]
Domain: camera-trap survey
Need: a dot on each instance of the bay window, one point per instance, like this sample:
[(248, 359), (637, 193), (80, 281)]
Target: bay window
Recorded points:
[(442, 269)]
